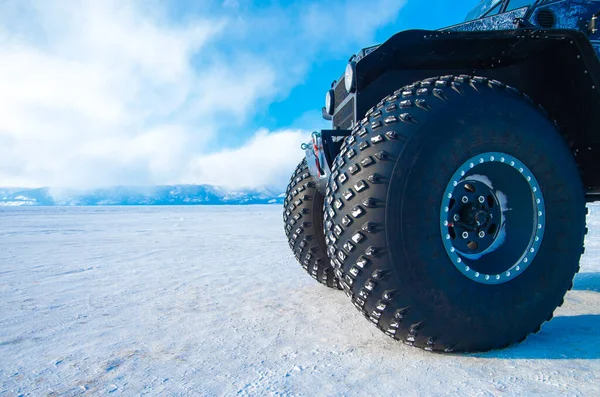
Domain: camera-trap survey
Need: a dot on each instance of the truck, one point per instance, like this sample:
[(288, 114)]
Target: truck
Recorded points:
[(449, 198)]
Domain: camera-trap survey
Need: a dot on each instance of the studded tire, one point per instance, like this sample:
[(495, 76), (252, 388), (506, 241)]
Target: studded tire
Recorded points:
[(303, 220), (382, 215)]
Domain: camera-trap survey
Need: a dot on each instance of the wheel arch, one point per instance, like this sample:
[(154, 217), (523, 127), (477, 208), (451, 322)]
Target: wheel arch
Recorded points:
[(558, 69)]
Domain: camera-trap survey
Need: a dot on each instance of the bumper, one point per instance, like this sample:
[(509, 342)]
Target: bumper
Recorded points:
[(317, 162), (320, 153)]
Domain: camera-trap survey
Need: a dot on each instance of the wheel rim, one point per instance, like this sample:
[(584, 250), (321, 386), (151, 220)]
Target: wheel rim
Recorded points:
[(492, 218)]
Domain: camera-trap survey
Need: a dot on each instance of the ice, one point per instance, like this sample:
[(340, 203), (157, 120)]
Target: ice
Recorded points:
[(210, 301)]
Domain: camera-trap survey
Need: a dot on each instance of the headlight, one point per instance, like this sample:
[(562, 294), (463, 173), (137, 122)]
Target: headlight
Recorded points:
[(329, 102), (350, 77)]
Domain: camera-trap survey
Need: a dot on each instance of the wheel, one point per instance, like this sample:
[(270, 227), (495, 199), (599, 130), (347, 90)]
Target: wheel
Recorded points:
[(455, 215), (303, 219)]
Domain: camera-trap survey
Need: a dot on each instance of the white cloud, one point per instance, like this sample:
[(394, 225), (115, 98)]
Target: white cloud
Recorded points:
[(267, 160), (320, 22), (106, 92), (95, 93)]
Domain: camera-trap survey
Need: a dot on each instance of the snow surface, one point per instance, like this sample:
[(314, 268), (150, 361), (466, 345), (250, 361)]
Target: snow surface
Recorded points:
[(210, 301)]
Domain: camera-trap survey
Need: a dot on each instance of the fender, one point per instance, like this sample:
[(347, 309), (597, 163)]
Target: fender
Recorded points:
[(558, 69), (424, 50)]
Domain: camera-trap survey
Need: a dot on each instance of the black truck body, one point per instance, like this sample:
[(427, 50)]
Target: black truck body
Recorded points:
[(448, 200), (548, 50)]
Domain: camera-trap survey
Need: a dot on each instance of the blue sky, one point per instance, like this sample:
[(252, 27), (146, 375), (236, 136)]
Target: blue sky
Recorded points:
[(311, 89), (147, 92)]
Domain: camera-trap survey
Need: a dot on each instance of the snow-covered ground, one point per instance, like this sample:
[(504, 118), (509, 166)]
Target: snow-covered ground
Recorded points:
[(210, 301)]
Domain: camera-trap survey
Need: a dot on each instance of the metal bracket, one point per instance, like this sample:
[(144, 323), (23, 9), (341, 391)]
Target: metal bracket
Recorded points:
[(320, 153)]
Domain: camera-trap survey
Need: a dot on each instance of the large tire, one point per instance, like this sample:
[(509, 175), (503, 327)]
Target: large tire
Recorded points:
[(386, 203), (303, 220)]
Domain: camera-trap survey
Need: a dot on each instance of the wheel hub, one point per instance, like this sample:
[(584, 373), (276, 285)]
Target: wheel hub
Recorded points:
[(487, 240), (473, 219)]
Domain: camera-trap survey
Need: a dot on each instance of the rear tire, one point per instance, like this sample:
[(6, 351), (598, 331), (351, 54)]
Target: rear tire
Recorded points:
[(387, 231), (303, 219)]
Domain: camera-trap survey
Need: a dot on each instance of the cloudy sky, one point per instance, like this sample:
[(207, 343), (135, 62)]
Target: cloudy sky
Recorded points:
[(118, 92)]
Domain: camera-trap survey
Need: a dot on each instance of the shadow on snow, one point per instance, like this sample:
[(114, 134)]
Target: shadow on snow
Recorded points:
[(587, 282), (564, 337)]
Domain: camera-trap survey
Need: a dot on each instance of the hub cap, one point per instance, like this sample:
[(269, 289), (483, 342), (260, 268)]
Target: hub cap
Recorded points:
[(492, 218)]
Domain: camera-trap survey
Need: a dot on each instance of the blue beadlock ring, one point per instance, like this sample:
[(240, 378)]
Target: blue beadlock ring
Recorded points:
[(463, 263)]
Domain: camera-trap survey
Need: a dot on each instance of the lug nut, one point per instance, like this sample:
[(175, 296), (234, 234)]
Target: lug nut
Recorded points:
[(456, 218), (481, 234), (481, 199), (465, 234), (465, 199)]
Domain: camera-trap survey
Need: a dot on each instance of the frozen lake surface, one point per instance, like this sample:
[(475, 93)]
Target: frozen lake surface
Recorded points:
[(210, 301)]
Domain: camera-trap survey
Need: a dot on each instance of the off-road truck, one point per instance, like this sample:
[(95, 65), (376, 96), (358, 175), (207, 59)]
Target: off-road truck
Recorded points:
[(449, 198)]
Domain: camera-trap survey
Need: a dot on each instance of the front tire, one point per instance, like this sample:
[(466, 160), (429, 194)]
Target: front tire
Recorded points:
[(303, 220), (386, 224)]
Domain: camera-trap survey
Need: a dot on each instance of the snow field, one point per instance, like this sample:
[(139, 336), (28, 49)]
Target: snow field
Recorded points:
[(210, 301)]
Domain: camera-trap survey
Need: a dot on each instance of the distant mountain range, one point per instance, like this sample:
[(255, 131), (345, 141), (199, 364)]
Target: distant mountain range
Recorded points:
[(129, 195)]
